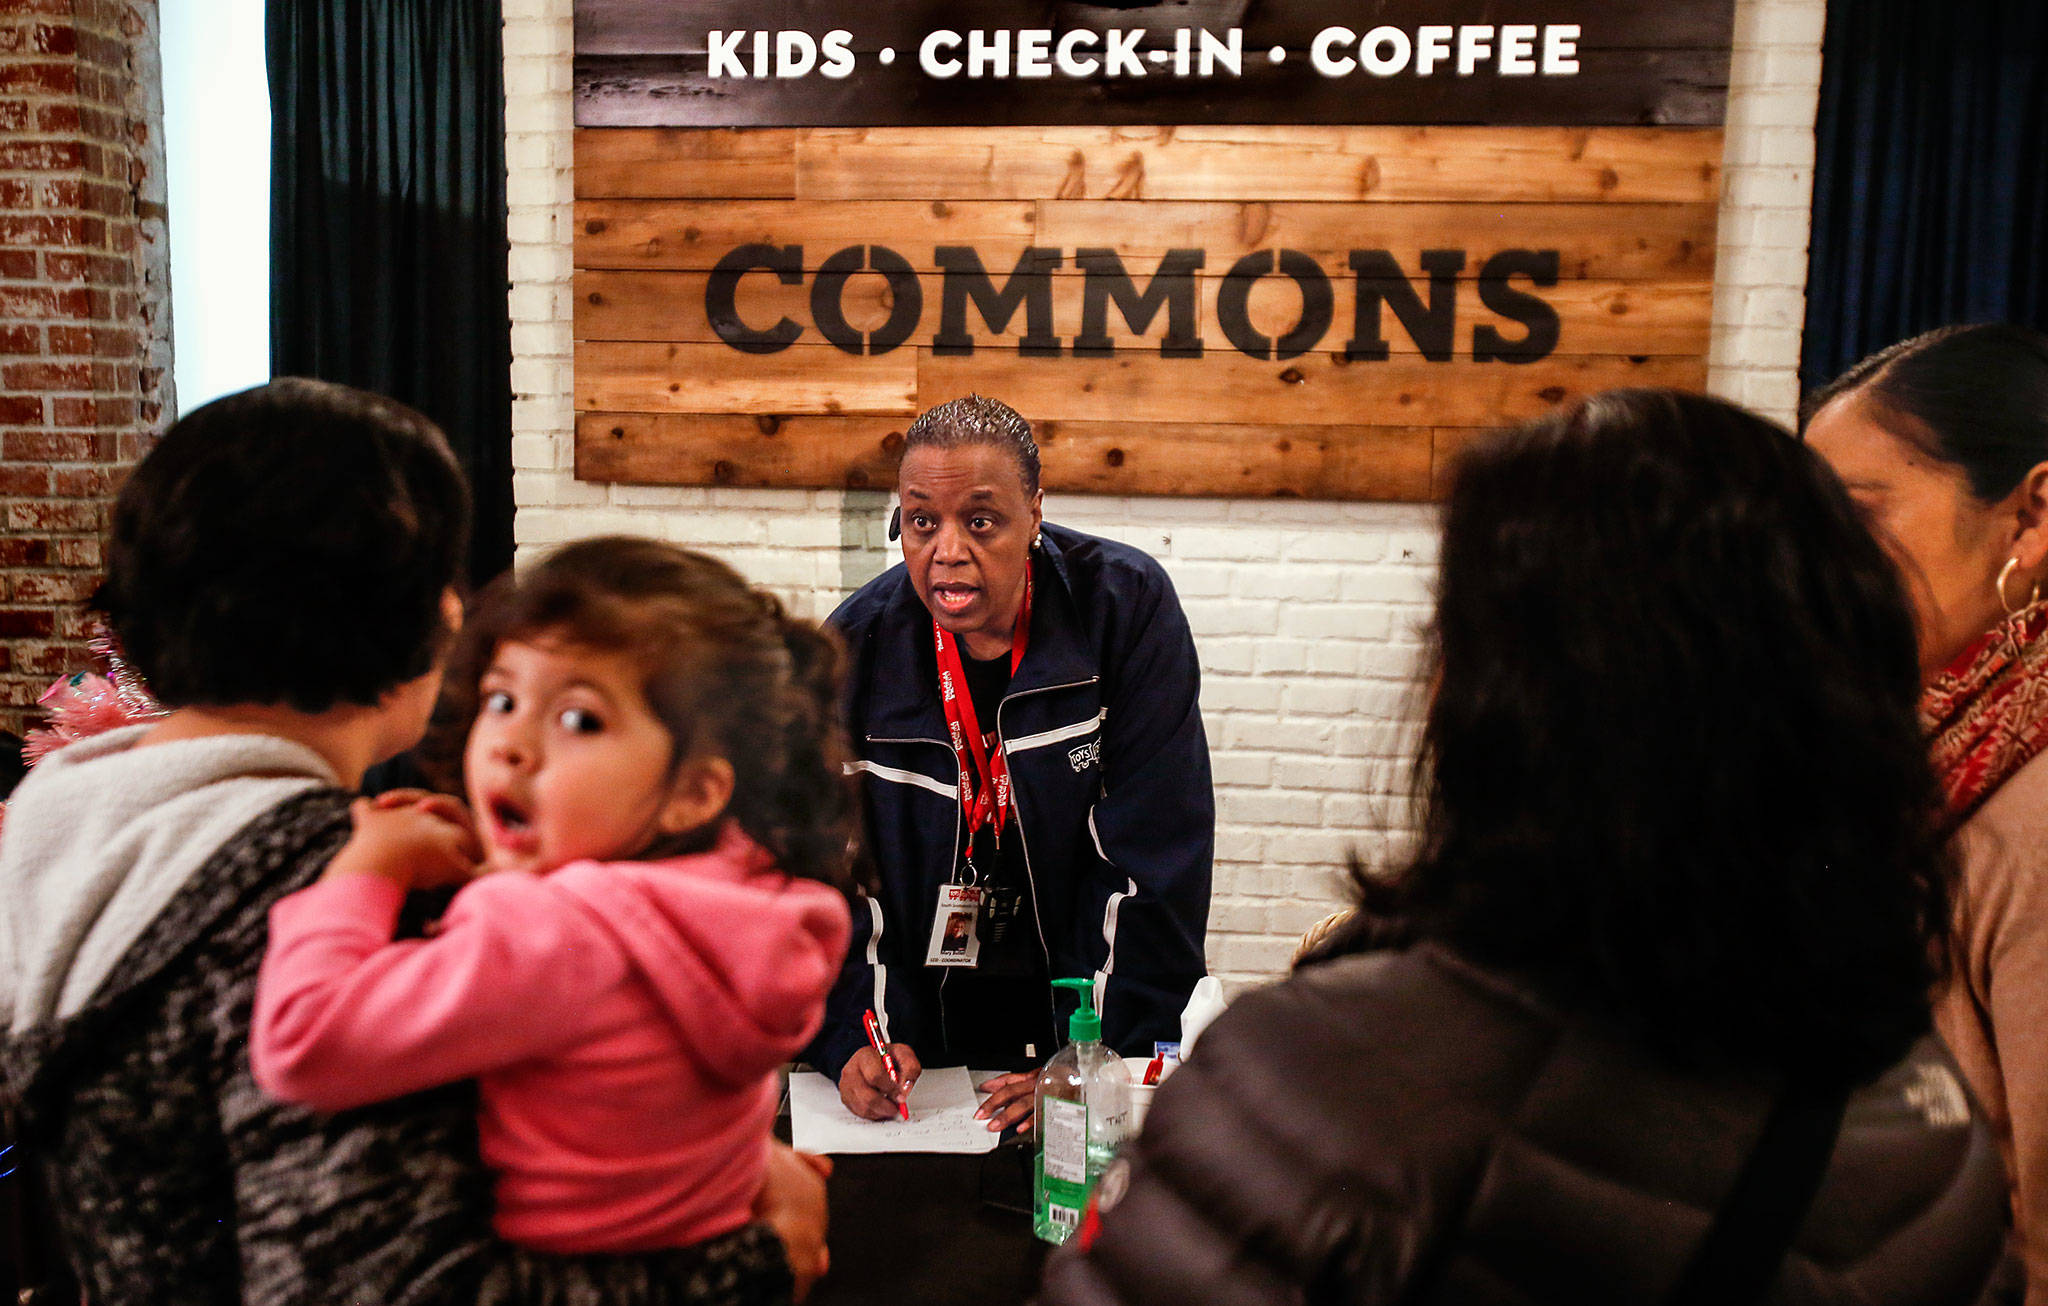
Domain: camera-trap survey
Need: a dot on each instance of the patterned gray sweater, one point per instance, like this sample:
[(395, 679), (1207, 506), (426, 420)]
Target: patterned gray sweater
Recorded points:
[(176, 1180)]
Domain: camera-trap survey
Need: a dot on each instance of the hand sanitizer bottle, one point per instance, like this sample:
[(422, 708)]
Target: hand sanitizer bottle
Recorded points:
[(1082, 1103)]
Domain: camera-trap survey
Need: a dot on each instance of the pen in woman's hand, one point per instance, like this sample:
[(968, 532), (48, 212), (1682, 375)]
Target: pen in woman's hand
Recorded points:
[(874, 1030)]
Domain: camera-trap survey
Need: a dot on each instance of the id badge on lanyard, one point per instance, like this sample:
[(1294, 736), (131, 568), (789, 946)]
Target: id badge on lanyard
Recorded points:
[(956, 927), (984, 794)]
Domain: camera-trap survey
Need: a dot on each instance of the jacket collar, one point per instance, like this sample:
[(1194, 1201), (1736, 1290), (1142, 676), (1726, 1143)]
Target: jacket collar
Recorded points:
[(903, 674)]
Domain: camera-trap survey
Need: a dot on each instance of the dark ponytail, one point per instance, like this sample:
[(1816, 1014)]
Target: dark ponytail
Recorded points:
[(1974, 397), (803, 809)]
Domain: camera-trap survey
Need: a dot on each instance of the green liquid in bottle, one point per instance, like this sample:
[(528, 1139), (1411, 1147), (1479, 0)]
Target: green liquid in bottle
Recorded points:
[(1082, 1103)]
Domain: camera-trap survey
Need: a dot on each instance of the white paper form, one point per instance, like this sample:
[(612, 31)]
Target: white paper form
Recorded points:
[(942, 1105)]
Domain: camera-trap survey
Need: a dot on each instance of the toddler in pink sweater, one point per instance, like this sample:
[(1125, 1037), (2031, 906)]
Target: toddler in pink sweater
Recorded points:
[(655, 785)]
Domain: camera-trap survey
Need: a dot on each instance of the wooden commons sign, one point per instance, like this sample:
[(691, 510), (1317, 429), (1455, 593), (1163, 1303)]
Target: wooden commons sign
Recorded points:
[(1208, 247)]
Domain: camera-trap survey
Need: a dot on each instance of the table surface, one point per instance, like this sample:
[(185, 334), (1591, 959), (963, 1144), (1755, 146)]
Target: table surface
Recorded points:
[(929, 1230), (924, 1229)]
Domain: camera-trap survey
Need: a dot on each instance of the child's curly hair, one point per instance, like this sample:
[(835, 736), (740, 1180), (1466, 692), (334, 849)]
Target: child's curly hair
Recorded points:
[(724, 668)]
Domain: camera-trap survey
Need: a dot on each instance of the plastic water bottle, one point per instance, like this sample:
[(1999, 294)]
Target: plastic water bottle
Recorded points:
[(1083, 1102)]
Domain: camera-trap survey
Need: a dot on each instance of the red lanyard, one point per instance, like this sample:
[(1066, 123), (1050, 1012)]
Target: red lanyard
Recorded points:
[(979, 764)]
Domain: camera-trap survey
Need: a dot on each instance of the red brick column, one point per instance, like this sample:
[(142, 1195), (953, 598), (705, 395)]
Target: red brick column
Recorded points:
[(84, 311)]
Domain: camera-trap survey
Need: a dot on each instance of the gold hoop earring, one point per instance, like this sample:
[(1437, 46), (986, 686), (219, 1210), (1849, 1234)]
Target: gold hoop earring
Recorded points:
[(2005, 574)]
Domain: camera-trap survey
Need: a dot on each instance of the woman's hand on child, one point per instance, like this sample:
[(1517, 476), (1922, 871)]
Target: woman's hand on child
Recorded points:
[(792, 1203), (865, 1086), (419, 841)]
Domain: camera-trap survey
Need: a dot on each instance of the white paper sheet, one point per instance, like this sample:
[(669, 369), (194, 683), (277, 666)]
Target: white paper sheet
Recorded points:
[(942, 1105)]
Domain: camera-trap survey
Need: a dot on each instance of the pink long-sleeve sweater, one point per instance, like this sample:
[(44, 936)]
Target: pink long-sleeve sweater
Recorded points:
[(623, 1022)]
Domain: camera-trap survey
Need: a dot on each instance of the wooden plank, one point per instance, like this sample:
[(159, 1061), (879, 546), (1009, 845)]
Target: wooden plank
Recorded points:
[(680, 378), (642, 233), (737, 449), (625, 27), (1615, 242), (1608, 241), (1248, 461), (1598, 317), (1606, 23), (1381, 164), (1316, 389), (1618, 87), (1317, 462), (676, 162)]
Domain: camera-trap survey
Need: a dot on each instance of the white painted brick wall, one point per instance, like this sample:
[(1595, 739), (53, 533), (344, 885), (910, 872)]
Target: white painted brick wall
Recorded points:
[(1767, 204), (1306, 614)]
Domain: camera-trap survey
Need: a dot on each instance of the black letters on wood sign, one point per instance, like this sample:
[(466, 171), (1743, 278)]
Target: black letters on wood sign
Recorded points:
[(905, 291), (1029, 285), (1172, 287), (721, 292), (1379, 281), (1540, 266), (1233, 298)]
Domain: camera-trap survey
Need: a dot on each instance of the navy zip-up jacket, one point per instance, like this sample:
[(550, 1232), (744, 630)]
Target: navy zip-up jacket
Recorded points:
[(1109, 770)]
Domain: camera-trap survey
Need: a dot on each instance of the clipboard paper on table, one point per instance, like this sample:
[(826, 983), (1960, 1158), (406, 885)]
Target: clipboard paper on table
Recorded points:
[(942, 1106)]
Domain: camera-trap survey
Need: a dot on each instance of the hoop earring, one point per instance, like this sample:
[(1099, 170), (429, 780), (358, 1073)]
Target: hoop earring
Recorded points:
[(2004, 574)]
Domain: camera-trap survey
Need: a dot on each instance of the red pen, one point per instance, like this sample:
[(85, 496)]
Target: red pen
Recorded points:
[(874, 1029)]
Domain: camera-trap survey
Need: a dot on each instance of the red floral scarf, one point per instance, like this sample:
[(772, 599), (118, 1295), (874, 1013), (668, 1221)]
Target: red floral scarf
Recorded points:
[(1987, 714)]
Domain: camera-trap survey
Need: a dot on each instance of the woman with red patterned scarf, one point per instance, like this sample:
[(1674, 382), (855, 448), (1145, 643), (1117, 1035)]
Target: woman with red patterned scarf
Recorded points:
[(1943, 440)]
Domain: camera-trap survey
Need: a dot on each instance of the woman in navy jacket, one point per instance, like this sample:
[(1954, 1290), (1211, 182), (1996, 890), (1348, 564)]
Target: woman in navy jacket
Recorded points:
[(1077, 836)]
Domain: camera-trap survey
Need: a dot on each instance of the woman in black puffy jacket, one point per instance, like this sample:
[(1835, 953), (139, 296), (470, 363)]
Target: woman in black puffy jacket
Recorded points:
[(1645, 1018)]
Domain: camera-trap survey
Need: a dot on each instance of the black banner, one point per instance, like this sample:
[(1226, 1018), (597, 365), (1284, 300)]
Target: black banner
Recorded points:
[(724, 63)]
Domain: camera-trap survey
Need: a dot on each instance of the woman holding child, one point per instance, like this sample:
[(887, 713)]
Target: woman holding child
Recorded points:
[(280, 572)]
